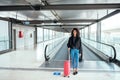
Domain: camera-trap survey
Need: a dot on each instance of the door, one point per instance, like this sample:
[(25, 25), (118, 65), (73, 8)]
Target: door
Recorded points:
[(14, 39)]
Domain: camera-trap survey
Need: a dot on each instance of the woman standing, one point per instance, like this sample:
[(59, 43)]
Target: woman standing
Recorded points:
[(74, 46)]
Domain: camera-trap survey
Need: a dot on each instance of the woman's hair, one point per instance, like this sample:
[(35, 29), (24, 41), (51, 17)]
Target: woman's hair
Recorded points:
[(78, 33)]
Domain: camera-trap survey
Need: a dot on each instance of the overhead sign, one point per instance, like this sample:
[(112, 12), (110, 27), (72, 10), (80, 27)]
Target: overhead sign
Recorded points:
[(26, 22)]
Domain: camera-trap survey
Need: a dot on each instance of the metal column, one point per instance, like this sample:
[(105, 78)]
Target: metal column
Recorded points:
[(98, 37), (89, 32)]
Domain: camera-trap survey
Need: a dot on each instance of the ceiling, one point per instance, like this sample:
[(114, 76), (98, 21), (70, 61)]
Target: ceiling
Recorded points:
[(84, 14), (81, 1)]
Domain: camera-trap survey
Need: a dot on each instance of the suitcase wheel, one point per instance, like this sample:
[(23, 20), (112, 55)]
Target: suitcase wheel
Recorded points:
[(67, 76)]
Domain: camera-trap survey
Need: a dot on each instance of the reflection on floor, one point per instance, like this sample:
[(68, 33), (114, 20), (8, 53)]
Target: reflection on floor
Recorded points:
[(23, 58)]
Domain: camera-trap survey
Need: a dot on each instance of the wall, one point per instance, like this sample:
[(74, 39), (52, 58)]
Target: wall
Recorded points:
[(28, 36)]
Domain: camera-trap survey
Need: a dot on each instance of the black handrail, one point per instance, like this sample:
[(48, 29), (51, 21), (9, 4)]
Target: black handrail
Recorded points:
[(45, 52), (46, 57), (110, 58)]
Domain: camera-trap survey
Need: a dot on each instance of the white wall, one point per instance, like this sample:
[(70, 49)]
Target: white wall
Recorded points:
[(27, 40)]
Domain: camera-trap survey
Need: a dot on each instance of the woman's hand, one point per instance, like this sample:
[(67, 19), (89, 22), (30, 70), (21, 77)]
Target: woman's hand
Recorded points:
[(68, 49), (80, 54)]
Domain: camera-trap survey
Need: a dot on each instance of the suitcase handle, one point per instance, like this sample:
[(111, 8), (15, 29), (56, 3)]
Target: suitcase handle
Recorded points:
[(68, 55)]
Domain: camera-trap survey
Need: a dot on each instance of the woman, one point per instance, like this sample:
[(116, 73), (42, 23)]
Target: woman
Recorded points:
[(74, 46)]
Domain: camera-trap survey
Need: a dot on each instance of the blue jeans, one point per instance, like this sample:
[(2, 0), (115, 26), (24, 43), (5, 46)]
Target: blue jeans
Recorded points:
[(74, 57)]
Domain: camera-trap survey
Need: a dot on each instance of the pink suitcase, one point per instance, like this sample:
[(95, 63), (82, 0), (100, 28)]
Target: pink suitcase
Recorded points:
[(67, 68)]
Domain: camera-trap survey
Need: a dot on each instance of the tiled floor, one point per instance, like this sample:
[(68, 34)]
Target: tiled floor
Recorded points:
[(48, 75), (23, 58)]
